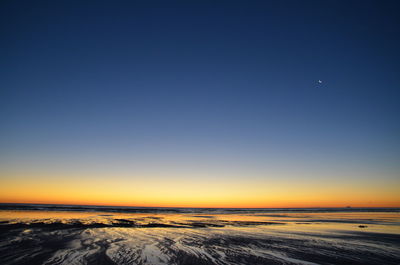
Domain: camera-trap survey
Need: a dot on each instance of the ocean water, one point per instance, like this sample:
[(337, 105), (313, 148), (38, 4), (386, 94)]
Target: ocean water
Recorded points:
[(62, 234)]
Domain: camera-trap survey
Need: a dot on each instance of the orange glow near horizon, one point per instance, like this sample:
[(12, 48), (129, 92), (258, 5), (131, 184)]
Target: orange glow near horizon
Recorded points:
[(148, 192)]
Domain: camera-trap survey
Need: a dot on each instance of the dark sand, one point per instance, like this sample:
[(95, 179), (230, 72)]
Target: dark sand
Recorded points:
[(53, 237)]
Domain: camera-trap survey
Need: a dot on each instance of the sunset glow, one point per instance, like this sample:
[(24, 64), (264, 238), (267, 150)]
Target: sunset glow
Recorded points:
[(186, 192)]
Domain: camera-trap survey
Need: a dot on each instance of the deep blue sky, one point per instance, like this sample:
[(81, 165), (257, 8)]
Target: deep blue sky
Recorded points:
[(201, 84)]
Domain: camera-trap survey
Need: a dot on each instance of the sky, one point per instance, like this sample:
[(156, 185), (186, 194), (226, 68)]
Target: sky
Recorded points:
[(200, 103)]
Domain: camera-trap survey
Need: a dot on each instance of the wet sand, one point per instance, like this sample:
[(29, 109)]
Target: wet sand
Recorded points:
[(70, 237)]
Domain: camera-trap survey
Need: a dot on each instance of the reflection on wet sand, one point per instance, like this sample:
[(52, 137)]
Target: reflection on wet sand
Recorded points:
[(64, 237)]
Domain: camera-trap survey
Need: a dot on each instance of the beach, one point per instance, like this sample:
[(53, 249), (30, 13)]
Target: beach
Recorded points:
[(85, 235)]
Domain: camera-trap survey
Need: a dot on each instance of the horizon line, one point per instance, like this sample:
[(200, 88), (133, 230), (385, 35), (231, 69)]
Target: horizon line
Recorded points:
[(186, 207)]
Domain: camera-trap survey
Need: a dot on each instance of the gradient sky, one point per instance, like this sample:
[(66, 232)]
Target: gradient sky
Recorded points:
[(200, 103)]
